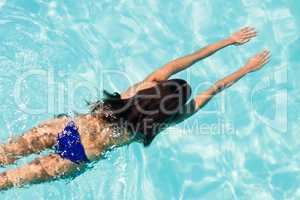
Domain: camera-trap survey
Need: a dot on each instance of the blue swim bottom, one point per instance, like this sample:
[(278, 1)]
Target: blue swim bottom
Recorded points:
[(69, 146)]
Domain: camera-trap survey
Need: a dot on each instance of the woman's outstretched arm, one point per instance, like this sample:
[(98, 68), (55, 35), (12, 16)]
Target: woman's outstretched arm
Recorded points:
[(240, 37), (254, 63)]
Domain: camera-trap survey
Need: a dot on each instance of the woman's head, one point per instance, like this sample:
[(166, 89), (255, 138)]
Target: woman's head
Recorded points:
[(147, 112)]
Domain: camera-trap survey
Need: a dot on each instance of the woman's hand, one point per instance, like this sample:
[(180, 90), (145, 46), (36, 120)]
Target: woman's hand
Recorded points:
[(242, 36), (257, 61)]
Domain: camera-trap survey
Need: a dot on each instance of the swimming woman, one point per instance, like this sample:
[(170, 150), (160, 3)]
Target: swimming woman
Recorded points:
[(137, 114)]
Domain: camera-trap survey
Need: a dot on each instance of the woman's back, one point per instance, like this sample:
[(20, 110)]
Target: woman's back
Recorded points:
[(98, 135)]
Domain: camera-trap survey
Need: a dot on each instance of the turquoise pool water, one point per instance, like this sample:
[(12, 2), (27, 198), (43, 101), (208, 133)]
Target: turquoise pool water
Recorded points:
[(243, 145)]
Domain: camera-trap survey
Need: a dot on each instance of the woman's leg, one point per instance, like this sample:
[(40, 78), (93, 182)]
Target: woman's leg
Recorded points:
[(41, 169), (35, 140)]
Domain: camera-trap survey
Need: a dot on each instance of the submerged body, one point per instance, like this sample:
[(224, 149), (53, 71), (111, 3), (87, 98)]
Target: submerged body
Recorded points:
[(96, 137), (98, 131)]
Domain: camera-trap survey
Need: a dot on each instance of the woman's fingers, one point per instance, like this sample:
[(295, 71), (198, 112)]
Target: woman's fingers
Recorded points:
[(247, 29), (258, 60), (250, 34), (247, 38), (266, 57), (264, 54), (244, 35), (265, 61), (260, 54), (260, 57)]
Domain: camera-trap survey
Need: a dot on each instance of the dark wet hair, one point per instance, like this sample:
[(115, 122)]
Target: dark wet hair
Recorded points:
[(148, 111)]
